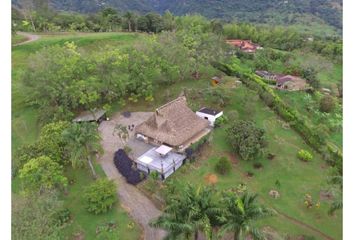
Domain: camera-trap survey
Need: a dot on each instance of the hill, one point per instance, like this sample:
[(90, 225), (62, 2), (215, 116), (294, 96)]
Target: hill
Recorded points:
[(257, 11)]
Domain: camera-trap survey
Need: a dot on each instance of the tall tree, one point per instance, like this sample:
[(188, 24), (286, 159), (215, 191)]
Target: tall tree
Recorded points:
[(83, 143), (28, 7), (122, 132), (240, 214), (130, 19), (42, 174)]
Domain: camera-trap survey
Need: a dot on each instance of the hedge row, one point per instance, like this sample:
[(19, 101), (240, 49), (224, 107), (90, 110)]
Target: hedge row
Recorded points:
[(290, 115)]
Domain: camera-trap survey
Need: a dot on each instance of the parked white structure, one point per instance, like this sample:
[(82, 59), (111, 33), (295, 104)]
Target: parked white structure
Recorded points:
[(209, 114), (161, 159)]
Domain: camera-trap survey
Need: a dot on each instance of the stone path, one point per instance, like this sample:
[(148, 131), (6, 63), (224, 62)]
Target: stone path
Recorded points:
[(139, 207)]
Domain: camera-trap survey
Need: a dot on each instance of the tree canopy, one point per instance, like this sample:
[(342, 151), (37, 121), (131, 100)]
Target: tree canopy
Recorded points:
[(246, 139), (41, 174)]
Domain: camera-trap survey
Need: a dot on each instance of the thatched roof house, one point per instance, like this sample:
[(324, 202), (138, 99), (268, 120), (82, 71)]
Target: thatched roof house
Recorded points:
[(172, 124)]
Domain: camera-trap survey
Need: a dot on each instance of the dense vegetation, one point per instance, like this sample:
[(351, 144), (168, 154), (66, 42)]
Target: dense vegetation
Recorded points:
[(260, 11), (67, 74), (201, 209)]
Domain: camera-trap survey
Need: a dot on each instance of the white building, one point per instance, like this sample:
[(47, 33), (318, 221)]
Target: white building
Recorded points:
[(161, 159), (209, 114)]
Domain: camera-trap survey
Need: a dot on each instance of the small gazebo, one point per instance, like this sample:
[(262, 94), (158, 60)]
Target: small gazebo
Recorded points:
[(98, 116)]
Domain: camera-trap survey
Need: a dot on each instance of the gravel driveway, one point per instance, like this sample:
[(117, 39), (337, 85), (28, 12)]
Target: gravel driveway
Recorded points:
[(139, 207)]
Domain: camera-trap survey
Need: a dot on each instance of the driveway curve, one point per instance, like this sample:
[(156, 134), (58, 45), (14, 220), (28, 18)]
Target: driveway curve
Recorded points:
[(139, 207), (30, 38)]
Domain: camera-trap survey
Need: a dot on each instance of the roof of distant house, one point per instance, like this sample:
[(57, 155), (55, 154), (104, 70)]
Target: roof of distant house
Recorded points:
[(89, 116), (264, 73), (243, 44), (281, 79), (173, 123), (209, 111)]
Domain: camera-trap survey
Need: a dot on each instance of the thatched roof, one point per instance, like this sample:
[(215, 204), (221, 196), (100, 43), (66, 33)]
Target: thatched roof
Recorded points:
[(173, 123)]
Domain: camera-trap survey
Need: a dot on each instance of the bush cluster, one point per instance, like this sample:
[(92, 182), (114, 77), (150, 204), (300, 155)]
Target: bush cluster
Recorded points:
[(223, 166), (100, 196), (304, 155)]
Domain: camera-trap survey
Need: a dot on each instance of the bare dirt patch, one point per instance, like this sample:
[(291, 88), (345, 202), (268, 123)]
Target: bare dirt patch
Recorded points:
[(211, 179)]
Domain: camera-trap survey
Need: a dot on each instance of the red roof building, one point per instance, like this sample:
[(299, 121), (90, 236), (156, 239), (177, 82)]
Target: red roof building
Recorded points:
[(244, 45)]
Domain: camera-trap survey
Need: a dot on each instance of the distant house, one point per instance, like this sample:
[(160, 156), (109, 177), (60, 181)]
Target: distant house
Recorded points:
[(209, 114), (289, 82), (91, 116), (215, 81), (173, 124), (246, 46), (266, 75)]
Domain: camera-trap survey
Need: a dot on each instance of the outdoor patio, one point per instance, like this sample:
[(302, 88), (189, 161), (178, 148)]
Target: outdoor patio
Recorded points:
[(165, 165)]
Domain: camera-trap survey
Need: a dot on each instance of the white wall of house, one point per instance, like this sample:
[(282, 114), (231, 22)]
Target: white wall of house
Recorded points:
[(210, 118)]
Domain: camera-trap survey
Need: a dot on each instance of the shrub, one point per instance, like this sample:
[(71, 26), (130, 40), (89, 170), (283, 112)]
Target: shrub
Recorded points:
[(223, 166), (154, 175), (220, 121), (62, 216), (257, 165), (100, 196), (327, 104), (304, 155)]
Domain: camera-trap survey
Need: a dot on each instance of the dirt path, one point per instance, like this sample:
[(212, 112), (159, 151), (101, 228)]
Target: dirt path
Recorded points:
[(139, 207), (302, 224), (30, 38)]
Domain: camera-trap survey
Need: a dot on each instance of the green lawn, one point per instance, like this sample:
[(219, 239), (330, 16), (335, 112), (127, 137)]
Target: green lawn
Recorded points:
[(296, 177)]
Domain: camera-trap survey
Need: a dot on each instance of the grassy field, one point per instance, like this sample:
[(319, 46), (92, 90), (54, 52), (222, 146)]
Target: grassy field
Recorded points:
[(296, 178)]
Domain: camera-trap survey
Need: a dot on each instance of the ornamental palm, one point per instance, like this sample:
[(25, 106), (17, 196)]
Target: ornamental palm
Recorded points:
[(190, 212), (240, 214), (83, 142)]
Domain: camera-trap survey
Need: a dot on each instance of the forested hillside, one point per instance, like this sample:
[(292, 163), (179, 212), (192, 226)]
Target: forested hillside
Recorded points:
[(327, 12)]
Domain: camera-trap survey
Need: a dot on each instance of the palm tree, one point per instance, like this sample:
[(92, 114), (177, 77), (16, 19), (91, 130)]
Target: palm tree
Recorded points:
[(240, 214), (122, 132), (83, 142), (192, 211), (129, 16)]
